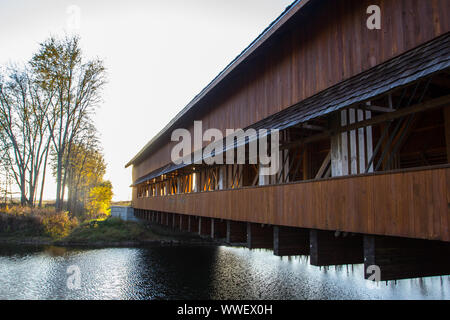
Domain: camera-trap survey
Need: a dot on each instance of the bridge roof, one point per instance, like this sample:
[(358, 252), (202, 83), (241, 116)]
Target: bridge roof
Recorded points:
[(243, 56)]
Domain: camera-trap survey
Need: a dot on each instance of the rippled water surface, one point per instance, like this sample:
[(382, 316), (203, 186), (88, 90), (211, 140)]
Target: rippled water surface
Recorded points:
[(193, 273)]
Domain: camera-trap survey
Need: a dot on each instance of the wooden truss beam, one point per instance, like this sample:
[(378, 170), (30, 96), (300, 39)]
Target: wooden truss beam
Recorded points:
[(420, 107)]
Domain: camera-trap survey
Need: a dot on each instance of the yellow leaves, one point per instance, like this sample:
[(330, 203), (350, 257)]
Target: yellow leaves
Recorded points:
[(100, 199), (59, 225)]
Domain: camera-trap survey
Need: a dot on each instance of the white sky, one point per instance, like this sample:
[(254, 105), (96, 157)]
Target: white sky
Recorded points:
[(159, 55)]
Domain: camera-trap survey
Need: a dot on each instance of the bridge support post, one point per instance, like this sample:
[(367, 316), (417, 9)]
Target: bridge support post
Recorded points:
[(159, 217), (218, 229), (169, 220), (193, 224), (329, 248), (402, 258), (184, 222), (176, 221), (288, 241), (259, 236), (172, 220), (236, 232), (204, 227)]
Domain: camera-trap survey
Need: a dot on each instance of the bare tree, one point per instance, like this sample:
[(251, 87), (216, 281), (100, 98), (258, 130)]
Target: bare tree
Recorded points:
[(5, 175), (24, 135), (77, 86)]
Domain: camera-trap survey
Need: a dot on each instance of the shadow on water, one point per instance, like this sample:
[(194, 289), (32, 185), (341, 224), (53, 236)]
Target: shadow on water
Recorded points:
[(193, 273)]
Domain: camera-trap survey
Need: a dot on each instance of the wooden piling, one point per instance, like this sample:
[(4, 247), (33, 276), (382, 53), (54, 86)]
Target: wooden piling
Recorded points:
[(259, 236), (402, 258), (204, 228), (289, 241), (334, 248), (218, 229), (236, 232)]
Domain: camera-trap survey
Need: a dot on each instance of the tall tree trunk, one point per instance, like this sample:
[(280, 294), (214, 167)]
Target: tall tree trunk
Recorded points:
[(63, 190), (43, 178), (58, 204), (31, 186), (23, 196), (70, 191)]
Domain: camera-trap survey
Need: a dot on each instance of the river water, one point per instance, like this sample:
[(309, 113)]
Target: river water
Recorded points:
[(191, 273)]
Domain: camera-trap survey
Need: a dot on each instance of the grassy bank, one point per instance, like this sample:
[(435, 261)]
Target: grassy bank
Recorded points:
[(114, 231), (45, 226)]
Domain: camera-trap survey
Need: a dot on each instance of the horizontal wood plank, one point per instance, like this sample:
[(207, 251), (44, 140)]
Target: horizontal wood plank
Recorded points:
[(413, 203)]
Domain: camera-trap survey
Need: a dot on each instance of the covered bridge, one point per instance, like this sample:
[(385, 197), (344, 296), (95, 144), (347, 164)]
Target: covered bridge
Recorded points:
[(364, 124)]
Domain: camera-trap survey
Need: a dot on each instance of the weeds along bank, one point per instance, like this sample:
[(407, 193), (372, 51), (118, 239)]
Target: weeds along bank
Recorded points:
[(24, 225), (22, 222)]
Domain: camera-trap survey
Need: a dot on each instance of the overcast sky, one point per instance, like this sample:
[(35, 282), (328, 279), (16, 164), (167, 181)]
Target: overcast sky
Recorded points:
[(159, 55)]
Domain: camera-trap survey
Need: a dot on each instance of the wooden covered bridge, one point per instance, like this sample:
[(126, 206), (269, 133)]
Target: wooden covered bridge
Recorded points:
[(364, 122)]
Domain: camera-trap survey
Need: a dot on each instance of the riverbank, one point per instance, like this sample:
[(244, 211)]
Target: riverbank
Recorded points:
[(112, 232)]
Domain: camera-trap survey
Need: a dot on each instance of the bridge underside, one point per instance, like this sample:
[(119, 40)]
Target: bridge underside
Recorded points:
[(396, 257)]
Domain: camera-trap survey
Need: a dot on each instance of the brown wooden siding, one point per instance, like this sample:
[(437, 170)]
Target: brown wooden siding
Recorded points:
[(409, 204), (329, 44)]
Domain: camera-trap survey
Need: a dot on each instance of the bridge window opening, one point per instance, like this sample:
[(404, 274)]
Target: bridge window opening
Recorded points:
[(409, 140)]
